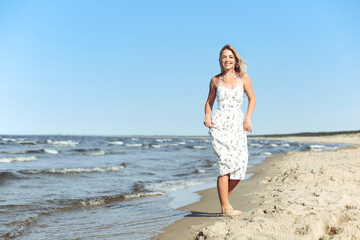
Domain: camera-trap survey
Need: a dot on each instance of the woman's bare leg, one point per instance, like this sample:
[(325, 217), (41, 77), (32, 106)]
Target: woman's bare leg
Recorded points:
[(224, 187), (223, 191)]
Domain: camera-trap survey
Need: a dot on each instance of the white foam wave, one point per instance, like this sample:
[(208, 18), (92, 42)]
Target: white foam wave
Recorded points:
[(198, 147), (171, 186), (164, 140), (92, 202), (181, 143), (51, 151), (98, 153), (286, 145), (255, 144), (133, 144), (12, 139), (155, 145), (142, 194), (116, 143), (17, 159), (199, 170), (103, 200), (316, 147), (273, 145), (266, 153), (18, 152), (75, 170), (171, 144), (62, 143)]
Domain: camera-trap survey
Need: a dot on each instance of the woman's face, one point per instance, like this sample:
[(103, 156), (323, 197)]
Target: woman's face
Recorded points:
[(228, 59)]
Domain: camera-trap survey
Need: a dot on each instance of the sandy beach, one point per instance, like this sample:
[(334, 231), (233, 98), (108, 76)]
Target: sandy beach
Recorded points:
[(298, 195)]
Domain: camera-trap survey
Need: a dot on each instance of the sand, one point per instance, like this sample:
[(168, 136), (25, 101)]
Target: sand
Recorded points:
[(299, 195)]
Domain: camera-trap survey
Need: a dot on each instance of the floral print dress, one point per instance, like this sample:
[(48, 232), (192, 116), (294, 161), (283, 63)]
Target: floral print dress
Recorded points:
[(227, 136)]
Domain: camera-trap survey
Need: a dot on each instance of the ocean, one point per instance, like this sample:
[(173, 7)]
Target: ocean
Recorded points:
[(109, 187)]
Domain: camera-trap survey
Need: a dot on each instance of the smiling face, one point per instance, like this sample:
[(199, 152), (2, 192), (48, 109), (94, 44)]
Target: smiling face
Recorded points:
[(228, 59)]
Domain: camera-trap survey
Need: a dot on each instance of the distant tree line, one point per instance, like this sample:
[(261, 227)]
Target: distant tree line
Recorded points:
[(307, 134)]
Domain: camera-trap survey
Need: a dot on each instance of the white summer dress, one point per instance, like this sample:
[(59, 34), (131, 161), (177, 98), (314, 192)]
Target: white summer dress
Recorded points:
[(228, 136)]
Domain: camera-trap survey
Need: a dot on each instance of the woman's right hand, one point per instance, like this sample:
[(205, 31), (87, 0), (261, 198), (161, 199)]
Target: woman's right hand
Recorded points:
[(207, 121)]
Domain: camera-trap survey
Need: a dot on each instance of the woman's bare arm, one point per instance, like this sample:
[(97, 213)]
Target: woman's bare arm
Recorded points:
[(209, 103), (252, 101)]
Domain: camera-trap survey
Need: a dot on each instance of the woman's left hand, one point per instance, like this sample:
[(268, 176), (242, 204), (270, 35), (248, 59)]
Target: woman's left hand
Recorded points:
[(247, 125)]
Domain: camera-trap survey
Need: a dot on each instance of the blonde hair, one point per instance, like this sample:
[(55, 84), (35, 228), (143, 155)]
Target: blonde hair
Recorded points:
[(240, 65)]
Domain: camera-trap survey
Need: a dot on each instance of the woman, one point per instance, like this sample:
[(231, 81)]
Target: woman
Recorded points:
[(227, 125)]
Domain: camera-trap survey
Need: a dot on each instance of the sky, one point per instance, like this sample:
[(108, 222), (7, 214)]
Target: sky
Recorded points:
[(144, 67)]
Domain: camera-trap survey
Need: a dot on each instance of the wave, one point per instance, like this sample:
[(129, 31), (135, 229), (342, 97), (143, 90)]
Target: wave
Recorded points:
[(17, 159), (133, 144), (199, 170), (75, 170), (182, 174), (266, 153), (161, 145), (116, 143), (164, 144), (62, 143), (123, 152), (156, 145), (164, 140), (7, 175), (49, 151), (197, 147), (12, 139), (72, 205), (171, 144), (319, 147), (316, 147), (210, 164), (166, 186), (85, 150), (255, 144), (89, 152), (116, 198), (98, 153), (27, 142)]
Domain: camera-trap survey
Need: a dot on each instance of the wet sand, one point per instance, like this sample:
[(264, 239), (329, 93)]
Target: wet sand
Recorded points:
[(298, 195)]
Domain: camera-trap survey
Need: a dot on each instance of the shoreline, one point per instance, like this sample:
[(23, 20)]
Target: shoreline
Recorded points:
[(206, 209), (204, 212)]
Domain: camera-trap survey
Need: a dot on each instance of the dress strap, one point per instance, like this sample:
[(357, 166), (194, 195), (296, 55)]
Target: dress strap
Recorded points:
[(219, 81)]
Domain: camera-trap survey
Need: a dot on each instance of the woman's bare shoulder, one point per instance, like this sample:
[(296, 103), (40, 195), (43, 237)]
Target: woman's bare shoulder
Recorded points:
[(245, 77), (215, 80)]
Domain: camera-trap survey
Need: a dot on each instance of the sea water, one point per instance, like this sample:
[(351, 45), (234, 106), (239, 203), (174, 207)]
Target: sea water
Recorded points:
[(107, 187)]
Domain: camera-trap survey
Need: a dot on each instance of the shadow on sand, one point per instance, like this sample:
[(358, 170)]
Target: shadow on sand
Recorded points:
[(202, 214)]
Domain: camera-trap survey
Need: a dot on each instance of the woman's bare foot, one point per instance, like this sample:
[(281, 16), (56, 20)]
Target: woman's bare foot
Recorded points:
[(230, 212)]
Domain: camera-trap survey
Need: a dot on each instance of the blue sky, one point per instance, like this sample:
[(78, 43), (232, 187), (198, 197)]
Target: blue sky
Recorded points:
[(144, 67)]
